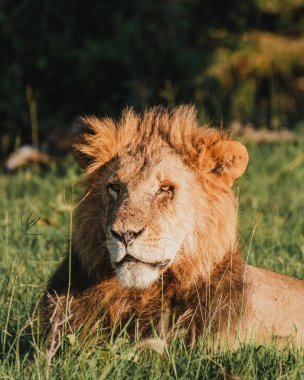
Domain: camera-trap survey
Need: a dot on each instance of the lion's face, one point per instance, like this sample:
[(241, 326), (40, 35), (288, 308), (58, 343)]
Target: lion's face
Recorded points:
[(157, 196), (148, 214)]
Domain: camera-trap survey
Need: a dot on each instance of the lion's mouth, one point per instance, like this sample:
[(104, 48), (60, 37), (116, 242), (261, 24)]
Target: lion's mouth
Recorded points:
[(130, 259)]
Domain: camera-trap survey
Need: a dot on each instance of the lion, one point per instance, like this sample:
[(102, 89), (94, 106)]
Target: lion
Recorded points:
[(155, 243)]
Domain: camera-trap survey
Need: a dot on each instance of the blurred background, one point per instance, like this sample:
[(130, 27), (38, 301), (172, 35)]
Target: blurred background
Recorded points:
[(236, 60)]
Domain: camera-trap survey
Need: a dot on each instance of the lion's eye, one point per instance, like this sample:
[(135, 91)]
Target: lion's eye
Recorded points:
[(113, 189), (166, 189)]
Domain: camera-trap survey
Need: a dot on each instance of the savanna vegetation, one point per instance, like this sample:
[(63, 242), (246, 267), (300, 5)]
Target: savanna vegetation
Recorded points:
[(35, 215), (235, 60)]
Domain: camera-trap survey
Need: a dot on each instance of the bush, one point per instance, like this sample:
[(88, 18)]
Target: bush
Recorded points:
[(232, 59)]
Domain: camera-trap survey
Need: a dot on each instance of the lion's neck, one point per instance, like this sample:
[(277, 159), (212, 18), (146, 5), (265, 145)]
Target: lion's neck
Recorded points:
[(182, 296), (190, 276), (216, 301)]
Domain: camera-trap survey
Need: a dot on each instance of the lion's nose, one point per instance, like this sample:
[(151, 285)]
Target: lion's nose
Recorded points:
[(128, 236)]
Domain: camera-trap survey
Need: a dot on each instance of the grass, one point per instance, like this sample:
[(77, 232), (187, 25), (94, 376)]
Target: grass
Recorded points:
[(35, 211)]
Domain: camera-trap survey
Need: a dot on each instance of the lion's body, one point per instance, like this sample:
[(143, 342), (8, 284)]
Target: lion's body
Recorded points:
[(155, 237), (277, 306)]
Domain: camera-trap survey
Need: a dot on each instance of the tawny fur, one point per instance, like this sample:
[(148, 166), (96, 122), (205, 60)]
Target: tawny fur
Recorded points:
[(206, 287)]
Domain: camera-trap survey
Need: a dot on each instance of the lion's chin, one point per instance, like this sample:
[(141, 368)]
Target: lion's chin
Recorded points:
[(136, 275)]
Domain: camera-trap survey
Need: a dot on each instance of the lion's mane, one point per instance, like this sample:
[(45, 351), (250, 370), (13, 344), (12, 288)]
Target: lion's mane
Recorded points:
[(203, 289)]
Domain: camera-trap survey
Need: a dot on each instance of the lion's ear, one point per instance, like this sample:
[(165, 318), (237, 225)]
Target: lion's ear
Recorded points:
[(95, 144), (228, 160)]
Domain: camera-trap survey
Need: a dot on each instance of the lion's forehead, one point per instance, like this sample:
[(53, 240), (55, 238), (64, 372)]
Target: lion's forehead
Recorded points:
[(143, 170)]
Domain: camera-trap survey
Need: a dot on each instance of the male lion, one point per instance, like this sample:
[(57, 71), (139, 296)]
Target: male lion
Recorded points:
[(154, 236)]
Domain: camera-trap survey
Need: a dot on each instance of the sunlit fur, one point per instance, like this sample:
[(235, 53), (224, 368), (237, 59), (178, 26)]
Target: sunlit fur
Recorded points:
[(192, 227), (142, 152)]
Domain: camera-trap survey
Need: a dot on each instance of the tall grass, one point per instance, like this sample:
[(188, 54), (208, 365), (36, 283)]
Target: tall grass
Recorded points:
[(35, 225)]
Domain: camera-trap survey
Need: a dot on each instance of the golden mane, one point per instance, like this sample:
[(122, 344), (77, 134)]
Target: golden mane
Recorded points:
[(208, 263), (179, 129)]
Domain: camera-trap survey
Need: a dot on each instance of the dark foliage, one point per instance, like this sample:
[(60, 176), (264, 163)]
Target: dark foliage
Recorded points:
[(95, 57)]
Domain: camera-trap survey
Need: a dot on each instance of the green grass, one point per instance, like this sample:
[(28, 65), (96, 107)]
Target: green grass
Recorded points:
[(34, 221)]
